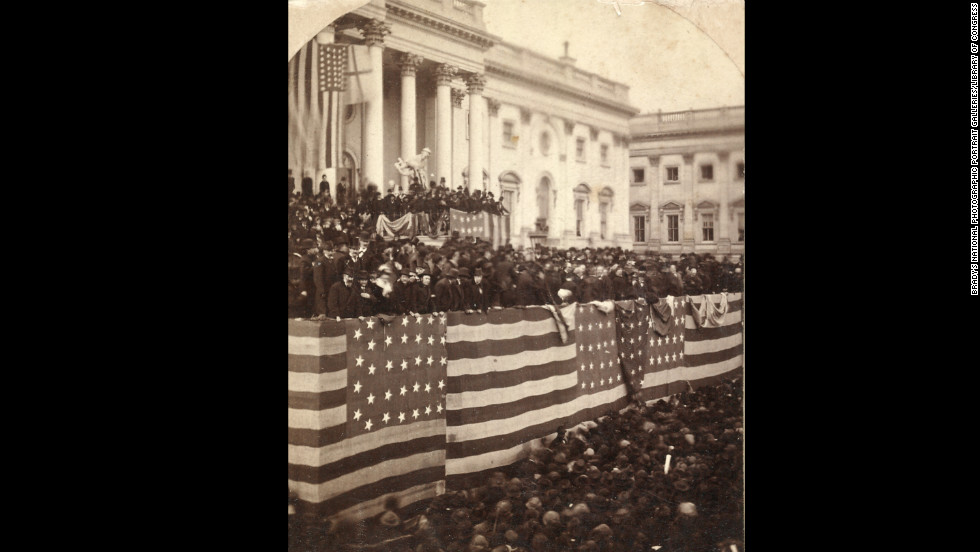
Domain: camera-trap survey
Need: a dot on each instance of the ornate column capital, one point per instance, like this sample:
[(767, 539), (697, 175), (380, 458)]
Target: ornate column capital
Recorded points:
[(409, 63), (445, 73), (493, 106), (723, 156), (458, 95), (688, 157), (569, 127), (654, 160), (374, 32), (525, 115), (593, 133), (475, 83)]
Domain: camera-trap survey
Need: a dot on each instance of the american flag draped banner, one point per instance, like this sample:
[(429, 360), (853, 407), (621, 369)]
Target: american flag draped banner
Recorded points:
[(316, 75), (406, 407), (713, 352), (512, 381), (471, 225), (367, 412), (652, 346)]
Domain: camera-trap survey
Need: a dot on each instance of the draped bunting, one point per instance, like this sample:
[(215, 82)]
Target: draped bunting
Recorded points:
[(409, 407), (404, 225), (663, 316), (707, 314)]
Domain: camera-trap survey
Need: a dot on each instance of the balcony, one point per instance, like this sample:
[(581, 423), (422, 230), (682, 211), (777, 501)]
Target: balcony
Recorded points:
[(690, 120)]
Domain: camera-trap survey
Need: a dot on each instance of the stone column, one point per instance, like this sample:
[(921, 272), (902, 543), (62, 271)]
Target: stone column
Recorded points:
[(374, 32), (444, 122), (655, 186), (724, 180), (475, 83), (409, 64), (687, 237)]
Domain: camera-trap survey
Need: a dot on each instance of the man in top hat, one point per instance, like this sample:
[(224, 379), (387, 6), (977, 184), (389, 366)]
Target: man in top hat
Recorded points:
[(339, 296), (400, 300), (423, 295), (467, 291), (481, 291), (364, 302), (324, 276), (448, 296)]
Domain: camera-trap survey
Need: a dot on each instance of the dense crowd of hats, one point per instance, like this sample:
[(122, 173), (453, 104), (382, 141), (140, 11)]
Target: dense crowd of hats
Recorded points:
[(667, 475), (366, 276), (319, 217)]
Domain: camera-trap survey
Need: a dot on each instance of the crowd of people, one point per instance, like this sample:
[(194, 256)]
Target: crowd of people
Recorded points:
[(320, 216), (367, 276), (662, 477)]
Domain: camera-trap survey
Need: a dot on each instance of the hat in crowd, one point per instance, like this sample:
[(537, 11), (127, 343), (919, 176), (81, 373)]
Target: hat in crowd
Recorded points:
[(390, 519), (362, 275), (349, 271), (464, 272), (477, 272), (453, 273)]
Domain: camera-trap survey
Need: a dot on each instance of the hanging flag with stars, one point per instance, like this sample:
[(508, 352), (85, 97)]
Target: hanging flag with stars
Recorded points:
[(512, 381), (375, 402), (657, 345), (333, 67), (471, 225), (633, 326)]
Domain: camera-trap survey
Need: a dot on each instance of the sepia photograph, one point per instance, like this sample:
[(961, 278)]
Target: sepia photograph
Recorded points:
[(516, 265)]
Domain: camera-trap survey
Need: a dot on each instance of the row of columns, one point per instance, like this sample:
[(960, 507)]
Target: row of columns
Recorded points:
[(374, 32)]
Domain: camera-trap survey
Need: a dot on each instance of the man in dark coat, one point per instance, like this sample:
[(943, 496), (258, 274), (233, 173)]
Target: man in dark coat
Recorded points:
[(424, 295), (363, 302), (481, 292), (339, 296), (400, 300), (448, 295), (675, 284), (693, 284)]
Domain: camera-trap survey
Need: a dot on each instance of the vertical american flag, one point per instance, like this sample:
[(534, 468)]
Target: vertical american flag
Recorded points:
[(383, 421), (598, 358), (333, 67), (660, 335), (470, 225)]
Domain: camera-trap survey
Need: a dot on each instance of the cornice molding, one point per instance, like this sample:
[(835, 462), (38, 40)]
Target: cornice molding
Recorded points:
[(496, 68), (440, 23)]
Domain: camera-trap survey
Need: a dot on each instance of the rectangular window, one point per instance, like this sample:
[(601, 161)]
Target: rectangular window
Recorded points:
[(638, 176), (741, 227), (508, 134), (707, 172), (579, 217), (580, 149), (672, 174), (673, 230), (740, 170), (604, 154), (639, 229), (707, 228)]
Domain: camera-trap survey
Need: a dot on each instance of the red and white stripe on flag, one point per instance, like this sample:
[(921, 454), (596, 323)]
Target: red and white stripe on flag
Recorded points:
[(373, 425), (713, 353)]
